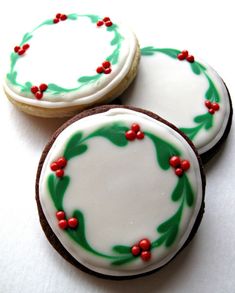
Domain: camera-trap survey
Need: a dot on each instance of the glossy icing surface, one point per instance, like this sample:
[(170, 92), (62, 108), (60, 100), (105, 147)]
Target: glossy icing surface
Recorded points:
[(121, 191), (68, 60), (177, 91)]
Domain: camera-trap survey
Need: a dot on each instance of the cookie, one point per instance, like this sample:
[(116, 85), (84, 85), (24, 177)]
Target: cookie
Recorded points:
[(185, 91), (71, 62), (120, 191)]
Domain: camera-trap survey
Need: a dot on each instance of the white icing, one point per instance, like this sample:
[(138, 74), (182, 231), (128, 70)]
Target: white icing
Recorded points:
[(64, 52), (169, 88), (122, 192)]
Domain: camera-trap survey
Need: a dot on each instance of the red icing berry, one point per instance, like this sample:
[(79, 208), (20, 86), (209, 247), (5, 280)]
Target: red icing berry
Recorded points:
[(135, 127), (211, 111), (145, 244), (21, 52), (61, 162), (59, 173), (179, 172), (63, 224), (185, 165), (38, 95), (108, 23), (181, 56), (99, 23), (185, 53), (63, 17), (107, 70), (208, 104), (174, 161), (58, 15), (139, 135), (54, 166), (145, 255), (16, 49), (135, 250), (130, 135), (34, 89), (56, 20), (215, 106), (25, 46), (106, 64), (190, 58), (106, 19), (60, 215), (100, 69), (43, 87), (72, 222)]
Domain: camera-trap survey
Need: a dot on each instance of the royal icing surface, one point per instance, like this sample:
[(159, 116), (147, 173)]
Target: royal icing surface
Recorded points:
[(110, 190), (80, 59), (184, 91)]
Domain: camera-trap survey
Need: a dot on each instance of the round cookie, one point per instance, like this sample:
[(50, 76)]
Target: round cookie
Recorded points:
[(119, 191), (69, 63), (185, 91)]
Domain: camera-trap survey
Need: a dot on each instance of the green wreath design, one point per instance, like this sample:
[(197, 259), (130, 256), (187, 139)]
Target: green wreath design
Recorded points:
[(204, 121), (55, 89), (182, 193)]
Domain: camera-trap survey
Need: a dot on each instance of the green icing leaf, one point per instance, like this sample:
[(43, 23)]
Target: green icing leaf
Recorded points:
[(72, 16), (113, 132), (89, 78), (93, 18), (195, 68), (147, 51), (206, 120), (57, 188), (12, 77), (122, 261), (212, 93), (78, 150), (122, 249), (47, 22), (171, 235), (27, 87), (189, 192), (112, 28), (203, 68), (192, 132), (73, 143), (159, 241), (178, 191), (26, 38), (164, 150), (113, 58), (56, 89)]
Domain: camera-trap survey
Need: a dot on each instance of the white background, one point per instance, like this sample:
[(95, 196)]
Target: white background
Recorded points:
[(27, 261)]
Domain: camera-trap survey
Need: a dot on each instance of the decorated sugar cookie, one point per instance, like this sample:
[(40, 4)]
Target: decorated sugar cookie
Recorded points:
[(70, 62), (119, 191), (187, 92)]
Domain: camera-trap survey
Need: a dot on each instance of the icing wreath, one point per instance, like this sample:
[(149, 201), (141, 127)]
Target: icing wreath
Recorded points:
[(212, 97), (168, 158), (100, 70)]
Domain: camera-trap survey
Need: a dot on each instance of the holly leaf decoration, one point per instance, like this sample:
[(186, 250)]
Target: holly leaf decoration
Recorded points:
[(55, 89), (89, 78), (115, 133), (212, 93), (195, 68), (123, 260), (72, 16), (12, 77), (93, 18), (206, 120), (57, 188), (27, 87), (113, 58), (164, 151), (26, 38), (148, 51), (188, 192), (122, 249), (191, 132), (178, 191), (73, 144), (183, 188), (78, 150)]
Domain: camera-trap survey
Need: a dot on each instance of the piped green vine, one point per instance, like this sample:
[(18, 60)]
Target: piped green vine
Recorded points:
[(206, 120), (182, 193), (82, 81)]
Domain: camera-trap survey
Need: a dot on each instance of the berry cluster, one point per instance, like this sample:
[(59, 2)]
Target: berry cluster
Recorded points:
[(212, 107), (179, 165), (184, 55), (104, 68), (64, 223), (21, 50), (142, 249), (134, 132), (58, 166), (38, 91), (59, 17), (106, 21)]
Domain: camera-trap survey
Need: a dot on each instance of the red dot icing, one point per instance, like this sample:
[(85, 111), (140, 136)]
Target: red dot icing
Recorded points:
[(107, 70), (105, 19), (185, 165), (100, 69), (190, 58), (135, 250), (72, 222), (59, 173), (63, 17), (99, 23), (179, 172), (25, 46), (215, 106), (106, 64), (140, 135), (174, 161), (60, 215), (108, 23), (135, 127), (145, 244), (16, 49), (58, 15), (61, 162), (54, 166), (38, 95), (34, 89), (130, 135), (21, 52), (181, 56), (63, 224), (145, 255), (56, 20)]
